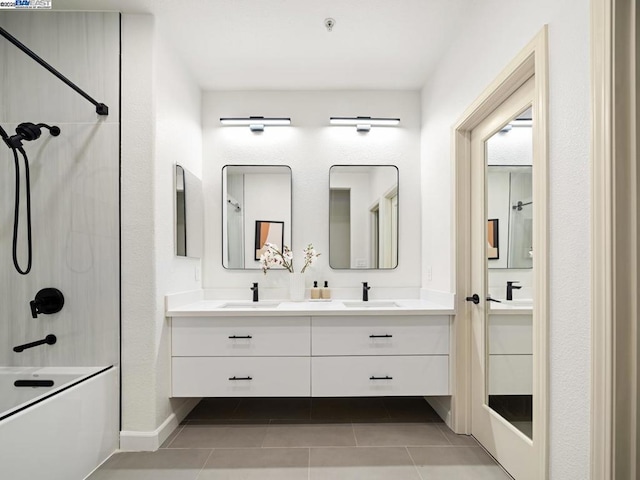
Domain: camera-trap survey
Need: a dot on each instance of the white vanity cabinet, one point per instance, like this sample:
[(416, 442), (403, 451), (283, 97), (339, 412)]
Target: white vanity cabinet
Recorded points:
[(379, 355), (510, 353), (299, 352), (240, 356)]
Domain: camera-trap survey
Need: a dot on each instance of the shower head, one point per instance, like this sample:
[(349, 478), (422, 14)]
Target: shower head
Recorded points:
[(27, 132)]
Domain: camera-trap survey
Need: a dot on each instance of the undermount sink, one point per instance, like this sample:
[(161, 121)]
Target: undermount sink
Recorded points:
[(525, 303), (370, 304), (254, 305)]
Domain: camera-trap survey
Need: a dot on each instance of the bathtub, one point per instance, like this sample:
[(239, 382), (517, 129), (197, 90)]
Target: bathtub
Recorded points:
[(58, 432)]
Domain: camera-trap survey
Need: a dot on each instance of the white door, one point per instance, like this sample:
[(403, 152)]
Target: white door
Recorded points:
[(503, 362)]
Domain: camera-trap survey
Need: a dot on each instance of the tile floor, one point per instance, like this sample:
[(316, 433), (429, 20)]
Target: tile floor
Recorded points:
[(309, 439)]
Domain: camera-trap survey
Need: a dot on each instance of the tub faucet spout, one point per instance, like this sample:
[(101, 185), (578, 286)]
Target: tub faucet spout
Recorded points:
[(255, 291)]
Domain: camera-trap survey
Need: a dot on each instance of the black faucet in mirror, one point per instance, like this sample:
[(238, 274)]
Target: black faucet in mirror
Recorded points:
[(47, 301), (365, 292), (510, 288), (255, 291)]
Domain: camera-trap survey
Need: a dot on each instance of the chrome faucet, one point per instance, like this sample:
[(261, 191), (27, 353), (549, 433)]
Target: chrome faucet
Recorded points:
[(510, 288), (365, 292), (255, 291)]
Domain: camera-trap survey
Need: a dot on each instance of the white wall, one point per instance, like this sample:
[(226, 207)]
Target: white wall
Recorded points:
[(359, 185), (310, 146), (161, 126), (492, 34), (74, 188)]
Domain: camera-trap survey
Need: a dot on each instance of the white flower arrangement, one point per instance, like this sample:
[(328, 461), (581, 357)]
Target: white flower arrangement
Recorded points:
[(272, 257)]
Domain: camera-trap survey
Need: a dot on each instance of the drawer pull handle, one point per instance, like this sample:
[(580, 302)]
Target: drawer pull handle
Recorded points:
[(381, 336), (234, 378), (386, 377), (233, 337)]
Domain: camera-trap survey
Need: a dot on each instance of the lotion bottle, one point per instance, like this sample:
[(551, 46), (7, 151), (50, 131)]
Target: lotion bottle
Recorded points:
[(325, 292), (315, 291)]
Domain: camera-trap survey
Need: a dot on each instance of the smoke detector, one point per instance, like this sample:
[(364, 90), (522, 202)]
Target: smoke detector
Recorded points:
[(329, 23)]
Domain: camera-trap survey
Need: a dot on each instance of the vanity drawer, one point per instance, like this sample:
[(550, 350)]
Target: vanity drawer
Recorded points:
[(383, 335), (510, 374), (379, 376), (240, 336), (240, 377), (510, 334)]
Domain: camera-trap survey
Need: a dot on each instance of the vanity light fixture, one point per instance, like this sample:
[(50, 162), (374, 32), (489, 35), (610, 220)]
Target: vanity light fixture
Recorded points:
[(256, 124), (364, 124), (518, 122)]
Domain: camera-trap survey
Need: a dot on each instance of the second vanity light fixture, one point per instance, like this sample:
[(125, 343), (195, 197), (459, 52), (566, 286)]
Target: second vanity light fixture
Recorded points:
[(364, 124), (256, 124)]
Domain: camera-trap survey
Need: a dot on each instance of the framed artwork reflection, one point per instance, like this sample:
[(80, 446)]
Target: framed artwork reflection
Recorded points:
[(268, 231), (493, 247)]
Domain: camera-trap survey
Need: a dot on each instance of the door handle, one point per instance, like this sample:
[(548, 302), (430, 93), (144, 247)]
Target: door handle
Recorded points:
[(475, 298)]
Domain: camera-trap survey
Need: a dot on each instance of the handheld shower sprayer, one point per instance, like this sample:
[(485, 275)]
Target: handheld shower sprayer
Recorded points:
[(24, 132)]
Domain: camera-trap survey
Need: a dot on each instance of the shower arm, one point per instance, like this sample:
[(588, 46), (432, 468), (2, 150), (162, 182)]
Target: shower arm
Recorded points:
[(101, 108)]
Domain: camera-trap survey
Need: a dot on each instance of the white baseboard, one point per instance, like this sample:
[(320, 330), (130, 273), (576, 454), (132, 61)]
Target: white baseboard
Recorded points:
[(442, 406), (131, 441)]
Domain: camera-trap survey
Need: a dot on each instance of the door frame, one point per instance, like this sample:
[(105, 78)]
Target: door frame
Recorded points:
[(532, 60), (615, 193)]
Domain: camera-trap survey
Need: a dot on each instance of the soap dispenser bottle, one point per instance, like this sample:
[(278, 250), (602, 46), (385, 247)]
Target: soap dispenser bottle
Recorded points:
[(326, 291), (315, 291)]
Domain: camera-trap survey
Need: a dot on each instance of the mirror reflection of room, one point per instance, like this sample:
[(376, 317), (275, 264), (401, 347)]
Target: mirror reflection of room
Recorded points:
[(510, 261), (363, 217), (256, 199), (189, 213)]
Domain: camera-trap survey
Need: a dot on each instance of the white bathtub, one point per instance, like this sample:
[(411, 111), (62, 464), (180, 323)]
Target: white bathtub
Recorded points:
[(61, 432)]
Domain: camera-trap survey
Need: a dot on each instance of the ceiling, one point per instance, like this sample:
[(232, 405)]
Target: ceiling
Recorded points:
[(284, 45)]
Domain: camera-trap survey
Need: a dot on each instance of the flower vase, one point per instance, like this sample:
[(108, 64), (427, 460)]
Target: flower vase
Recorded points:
[(296, 287)]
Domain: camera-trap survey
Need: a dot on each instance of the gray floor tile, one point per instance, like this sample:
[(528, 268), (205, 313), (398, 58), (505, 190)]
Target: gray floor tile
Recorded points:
[(399, 434), (459, 463), (230, 421), (410, 409), (160, 465), (334, 435), (348, 408), (214, 408), (172, 436), (458, 440), (220, 436), (258, 464), (273, 408), (370, 463), (525, 427)]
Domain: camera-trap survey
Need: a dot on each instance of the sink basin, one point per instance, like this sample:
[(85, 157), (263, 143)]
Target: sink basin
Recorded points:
[(521, 304), (527, 302), (252, 305), (371, 304)]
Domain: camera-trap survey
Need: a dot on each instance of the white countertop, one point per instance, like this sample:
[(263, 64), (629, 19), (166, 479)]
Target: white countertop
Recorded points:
[(231, 308), (517, 307)]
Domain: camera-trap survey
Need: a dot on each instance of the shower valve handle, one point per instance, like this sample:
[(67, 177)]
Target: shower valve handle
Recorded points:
[(47, 301)]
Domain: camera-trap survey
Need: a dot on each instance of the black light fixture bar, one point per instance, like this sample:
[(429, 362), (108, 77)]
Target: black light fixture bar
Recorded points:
[(101, 108)]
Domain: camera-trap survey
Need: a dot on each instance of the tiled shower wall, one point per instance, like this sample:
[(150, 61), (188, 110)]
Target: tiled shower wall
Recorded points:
[(74, 188)]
